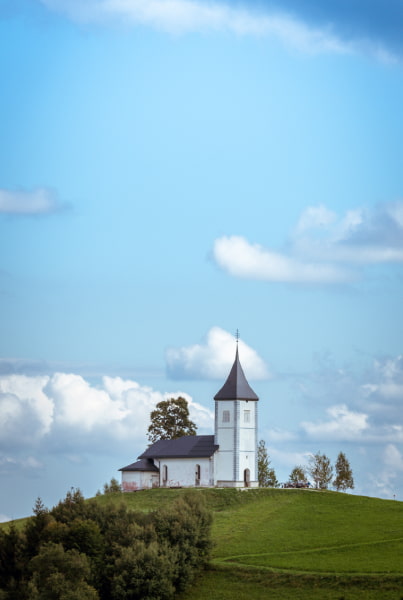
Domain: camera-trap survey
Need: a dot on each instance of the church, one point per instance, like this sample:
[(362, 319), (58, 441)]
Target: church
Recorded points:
[(226, 459)]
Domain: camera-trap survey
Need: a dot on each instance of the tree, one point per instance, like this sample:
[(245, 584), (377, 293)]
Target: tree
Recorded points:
[(344, 475), (60, 575), (112, 487), (320, 470), (266, 474), (298, 474), (170, 420)]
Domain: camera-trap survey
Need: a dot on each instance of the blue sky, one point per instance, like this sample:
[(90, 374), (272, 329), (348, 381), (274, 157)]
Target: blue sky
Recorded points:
[(171, 171)]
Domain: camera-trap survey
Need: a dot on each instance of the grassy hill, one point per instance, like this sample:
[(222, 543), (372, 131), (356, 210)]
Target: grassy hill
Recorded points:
[(303, 544), (285, 544)]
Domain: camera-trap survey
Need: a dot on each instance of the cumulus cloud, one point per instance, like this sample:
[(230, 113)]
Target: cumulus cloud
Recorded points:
[(22, 202), (240, 258), (344, 424), (214, 358), (324, 248), (360, 236), (64, 411), (26, 413), (372, 407)]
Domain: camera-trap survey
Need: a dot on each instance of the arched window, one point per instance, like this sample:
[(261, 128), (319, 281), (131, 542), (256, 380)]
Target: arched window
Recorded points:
[(197, 475), (164, 475), (246, 478)]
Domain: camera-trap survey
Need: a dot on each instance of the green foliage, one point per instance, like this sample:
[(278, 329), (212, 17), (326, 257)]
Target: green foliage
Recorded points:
[(12, 556), (344, 475), (88, 550), (186, 528), (266, 474), (60, 575), (297, 474), (170, 420), (143, 571), (112, 487), (320, 470)]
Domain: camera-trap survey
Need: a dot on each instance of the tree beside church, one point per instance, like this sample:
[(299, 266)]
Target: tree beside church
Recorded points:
[(170, 420)]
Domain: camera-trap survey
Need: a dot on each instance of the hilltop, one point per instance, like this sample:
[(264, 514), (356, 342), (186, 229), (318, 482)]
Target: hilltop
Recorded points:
[(282, 544), (306, 544)]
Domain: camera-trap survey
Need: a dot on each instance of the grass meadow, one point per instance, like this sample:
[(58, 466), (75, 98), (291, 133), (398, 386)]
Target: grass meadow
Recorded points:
[(286, 544), (303, 544)]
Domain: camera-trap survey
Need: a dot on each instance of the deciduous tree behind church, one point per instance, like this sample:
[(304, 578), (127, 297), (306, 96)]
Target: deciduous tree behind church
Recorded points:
[(170, 420)]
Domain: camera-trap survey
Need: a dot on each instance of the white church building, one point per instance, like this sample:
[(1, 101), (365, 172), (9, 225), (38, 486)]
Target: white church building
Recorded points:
[(226, 459)]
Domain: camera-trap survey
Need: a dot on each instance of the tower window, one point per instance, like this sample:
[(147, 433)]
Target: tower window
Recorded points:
[(225, 416), (246, 416)]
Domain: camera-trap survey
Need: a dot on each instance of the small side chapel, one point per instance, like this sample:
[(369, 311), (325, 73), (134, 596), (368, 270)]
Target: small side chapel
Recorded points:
[(226, 459)]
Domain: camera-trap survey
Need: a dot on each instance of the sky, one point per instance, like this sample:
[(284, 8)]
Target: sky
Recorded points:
[(172, 171)]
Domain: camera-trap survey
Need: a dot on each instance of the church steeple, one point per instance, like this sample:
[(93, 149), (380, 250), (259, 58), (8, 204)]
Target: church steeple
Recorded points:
[(236, 387), (235, 430)]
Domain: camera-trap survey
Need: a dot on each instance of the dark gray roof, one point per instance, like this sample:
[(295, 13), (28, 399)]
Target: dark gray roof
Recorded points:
[(187, 446), (144, 464), (236, 387)]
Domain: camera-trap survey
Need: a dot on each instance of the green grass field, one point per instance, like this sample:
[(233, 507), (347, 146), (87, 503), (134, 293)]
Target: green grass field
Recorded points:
[(304, 544)]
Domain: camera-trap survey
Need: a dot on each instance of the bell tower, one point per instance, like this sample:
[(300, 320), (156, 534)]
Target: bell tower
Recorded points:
[(236, 430)]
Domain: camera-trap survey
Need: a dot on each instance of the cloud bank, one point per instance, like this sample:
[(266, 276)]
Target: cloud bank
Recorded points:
[(64, 412), (40, 201), (213, 359), (324, 248)]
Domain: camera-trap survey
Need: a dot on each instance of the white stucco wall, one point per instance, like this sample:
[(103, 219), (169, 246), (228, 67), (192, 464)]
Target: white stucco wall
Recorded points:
[(138, 480), (182, 471)]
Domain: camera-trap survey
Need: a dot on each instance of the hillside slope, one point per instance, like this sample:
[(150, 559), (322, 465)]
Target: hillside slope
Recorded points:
[(282, 544), (305, 544)]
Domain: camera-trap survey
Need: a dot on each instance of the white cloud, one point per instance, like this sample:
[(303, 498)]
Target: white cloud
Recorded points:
[(26, 413), (357, 237), (315, 217), (324, 247), (182, 16), (343, 425), (214, 358), (239, 258), (65, 411), (35, 202)]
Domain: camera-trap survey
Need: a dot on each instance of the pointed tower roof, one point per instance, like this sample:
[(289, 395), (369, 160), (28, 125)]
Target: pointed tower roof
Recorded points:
[(236, 387)]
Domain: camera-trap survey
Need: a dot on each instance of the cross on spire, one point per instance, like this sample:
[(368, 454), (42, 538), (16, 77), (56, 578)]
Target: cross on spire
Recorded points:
[(237, 336)]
